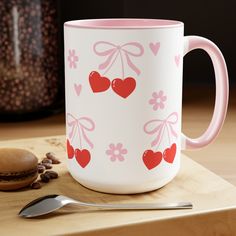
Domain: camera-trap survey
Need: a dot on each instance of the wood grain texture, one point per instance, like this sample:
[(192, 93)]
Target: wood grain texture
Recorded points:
[(214, 200)]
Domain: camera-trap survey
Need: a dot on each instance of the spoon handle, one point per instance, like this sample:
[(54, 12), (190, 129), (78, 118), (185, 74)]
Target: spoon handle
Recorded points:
[(141, 206)]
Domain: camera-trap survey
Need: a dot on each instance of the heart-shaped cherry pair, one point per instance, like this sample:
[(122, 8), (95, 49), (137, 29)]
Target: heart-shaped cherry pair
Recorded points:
[(121, 87), (70, 150), (82, 156), (98, 83), (152, 159), (169, 153)]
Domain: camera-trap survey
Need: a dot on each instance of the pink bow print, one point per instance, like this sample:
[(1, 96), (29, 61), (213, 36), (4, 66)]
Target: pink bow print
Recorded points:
[(158, 128), (128, 49), (81, 125)]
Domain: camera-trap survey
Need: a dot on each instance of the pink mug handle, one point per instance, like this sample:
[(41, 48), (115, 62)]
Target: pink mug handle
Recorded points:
[(222, 91)]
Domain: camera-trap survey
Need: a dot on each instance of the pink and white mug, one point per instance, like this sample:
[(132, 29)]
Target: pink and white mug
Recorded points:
[(123, 82)]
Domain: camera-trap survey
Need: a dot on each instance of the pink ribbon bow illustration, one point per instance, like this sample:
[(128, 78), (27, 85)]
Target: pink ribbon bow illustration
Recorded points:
[(81, 125), (127, 50), (158, 128)]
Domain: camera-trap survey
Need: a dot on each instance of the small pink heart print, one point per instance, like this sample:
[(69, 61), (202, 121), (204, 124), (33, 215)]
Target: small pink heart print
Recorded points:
[(154, 47), (177, 60), (78, 88)]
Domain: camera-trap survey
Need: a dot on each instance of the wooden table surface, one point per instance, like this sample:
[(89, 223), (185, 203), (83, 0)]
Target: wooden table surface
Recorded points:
[(220, 156), (213, 213)]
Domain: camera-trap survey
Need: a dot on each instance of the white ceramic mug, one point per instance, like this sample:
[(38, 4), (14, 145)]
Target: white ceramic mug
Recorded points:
[(123, 82)]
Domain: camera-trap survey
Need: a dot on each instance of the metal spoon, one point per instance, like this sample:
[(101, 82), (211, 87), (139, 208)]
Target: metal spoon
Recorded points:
[(49, 203)]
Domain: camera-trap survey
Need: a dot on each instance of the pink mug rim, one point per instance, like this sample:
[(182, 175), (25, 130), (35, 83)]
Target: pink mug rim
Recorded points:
[(123, 23)]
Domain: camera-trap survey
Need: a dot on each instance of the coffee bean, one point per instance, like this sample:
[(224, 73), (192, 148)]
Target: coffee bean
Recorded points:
[(48, 175), (29, 60), (41, 168), (52, 174), (46, 160), (47, 165), (51, 156), (36, 185), (56, 161), (45, 178)]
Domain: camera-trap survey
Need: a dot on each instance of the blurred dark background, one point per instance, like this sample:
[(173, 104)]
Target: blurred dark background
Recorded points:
[(213, 19)]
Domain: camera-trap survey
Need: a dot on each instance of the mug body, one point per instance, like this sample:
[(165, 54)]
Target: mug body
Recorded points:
[(123, 82)]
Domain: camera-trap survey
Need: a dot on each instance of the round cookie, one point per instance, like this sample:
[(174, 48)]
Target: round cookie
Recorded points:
[(18, 168)]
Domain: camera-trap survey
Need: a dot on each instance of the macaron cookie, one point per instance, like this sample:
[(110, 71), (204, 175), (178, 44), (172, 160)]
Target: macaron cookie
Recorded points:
[(18, 168)]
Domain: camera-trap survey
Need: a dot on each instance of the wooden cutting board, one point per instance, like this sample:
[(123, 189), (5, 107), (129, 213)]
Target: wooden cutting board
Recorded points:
[(214, 201)]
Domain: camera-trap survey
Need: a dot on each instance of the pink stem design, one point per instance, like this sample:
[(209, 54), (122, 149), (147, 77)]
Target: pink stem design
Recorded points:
[(161, 136), (82, 124), (159, 127), (122, 66), (109, 67), (73, 124), (80, 139), (168, 134)]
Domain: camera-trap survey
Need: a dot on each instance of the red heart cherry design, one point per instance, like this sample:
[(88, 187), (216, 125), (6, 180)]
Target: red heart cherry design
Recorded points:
[(123, 87), (98, 83), (152, 159), (169, 153), (70, 150), (82, 157)]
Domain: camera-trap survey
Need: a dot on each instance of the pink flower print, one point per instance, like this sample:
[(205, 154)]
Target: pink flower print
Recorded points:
[(116, 152), (158, 100), (72, 58)]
